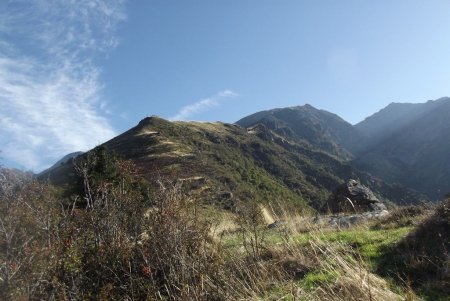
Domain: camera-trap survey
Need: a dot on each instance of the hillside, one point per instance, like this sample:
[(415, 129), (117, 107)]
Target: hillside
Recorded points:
[(305, 124), (422, 256), (395, 117), (408, 144), (403, 143), (130, 243), (289, 252), (61, 162), (225, 163)]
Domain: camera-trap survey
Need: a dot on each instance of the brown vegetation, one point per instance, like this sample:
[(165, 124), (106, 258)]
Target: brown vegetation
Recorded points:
[(115, 239)]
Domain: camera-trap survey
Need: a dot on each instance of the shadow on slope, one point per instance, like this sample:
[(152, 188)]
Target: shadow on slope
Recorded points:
[(422, 258)]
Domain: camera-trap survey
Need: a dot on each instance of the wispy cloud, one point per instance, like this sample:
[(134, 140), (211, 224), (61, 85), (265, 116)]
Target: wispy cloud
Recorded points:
[(202, 105), (50, 92)]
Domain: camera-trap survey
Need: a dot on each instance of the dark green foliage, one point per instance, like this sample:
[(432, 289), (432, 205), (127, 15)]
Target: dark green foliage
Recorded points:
[(101, 165), (96, 170)]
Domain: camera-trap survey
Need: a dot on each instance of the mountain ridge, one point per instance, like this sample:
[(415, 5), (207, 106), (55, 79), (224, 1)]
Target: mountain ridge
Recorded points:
[(403, 141), (416, 153), (319, 128), (226, 163)]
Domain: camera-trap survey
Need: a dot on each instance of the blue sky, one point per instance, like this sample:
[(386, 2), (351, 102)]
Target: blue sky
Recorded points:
[(75, 73)]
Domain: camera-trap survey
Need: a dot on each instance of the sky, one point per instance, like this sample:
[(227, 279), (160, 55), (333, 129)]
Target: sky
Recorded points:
[(75, 73)]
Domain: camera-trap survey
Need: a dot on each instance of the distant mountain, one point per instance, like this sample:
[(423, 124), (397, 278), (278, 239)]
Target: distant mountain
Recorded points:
[(409, 144), (296, 155), (10, 178), (404, 143), (305, 124), (14, 173), (223, 163), (60, 162)]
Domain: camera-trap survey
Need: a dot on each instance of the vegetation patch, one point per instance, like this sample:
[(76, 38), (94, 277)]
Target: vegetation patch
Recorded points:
[(421, 259)]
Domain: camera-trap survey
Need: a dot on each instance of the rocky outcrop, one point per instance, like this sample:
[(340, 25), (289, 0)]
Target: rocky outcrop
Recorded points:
[(346, 220), (354, 197)]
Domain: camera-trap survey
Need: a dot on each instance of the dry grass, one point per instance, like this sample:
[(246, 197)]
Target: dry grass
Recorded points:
[(319, 270), (404, 216), (98, 252), (422, 258)]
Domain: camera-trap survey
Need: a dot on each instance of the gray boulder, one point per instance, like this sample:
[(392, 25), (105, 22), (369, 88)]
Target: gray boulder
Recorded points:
[(354, 197)]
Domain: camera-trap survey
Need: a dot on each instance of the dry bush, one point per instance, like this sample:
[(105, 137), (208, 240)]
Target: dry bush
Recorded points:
[(94, 256), (27, 227), (116, 241), (177, 252), (252, 228)]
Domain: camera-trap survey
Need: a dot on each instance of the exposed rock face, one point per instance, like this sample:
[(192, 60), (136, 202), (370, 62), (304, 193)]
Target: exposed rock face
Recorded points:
[(354, 197)]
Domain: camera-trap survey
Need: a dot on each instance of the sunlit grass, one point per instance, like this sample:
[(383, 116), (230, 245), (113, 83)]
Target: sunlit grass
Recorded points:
[(369, 243)]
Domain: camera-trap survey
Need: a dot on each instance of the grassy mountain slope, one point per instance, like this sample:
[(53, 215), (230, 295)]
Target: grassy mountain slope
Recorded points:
[(220, 162), (223, 163), (248, 164)]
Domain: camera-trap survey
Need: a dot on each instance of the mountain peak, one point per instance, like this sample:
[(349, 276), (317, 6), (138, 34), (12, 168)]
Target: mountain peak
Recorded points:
[(150, 120), (308, 106), (319, 128)]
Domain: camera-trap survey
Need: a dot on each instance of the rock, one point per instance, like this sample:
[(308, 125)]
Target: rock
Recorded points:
[(226, 195), (347, 220), (295, 268), (354, 197), (275, 224)]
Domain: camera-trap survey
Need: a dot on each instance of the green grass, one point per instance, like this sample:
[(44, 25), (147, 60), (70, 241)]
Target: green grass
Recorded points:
[(315, 278), (369, 243)]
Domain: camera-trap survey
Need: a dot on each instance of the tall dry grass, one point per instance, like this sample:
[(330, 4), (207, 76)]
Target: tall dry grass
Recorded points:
[(127, 245)]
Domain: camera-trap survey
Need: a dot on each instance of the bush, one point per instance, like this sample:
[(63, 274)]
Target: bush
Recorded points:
[(29, 219), (115, 240)]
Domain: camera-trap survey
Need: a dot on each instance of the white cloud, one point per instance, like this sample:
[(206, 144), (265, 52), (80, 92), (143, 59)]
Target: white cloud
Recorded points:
[(50, 93), (202, 105)]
